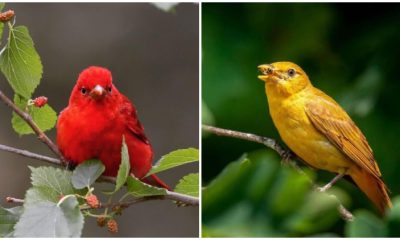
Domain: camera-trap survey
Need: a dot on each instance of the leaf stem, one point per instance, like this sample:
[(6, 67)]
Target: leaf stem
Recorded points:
[(87, 213), (108, 203), (64, 198), (123, 197)]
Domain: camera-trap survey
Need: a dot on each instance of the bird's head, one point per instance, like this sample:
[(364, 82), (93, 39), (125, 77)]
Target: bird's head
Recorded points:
[(94, 85), (284, 78)]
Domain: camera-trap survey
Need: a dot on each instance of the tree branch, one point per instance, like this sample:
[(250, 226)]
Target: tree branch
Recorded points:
[(28, 119), (28, 154), (269, 142), (47, 159), (186, 199), (286, 155)]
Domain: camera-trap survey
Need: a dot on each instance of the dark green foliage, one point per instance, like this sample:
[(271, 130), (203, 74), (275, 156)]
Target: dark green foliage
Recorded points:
[(368, 225), (255, 196), (350, 51)]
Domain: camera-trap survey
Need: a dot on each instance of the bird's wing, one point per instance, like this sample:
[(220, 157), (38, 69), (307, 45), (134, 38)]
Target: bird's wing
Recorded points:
[(333, 122), (133, 123)]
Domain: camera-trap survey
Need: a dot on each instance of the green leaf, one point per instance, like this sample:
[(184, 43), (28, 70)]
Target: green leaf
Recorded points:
[(189, 185), (317, 213), (393, 217), (365, 224), (49, 184), (20, 62), (174, 159), (206, 114), (124, 167), (47, 219), (224, 187), (140, 189), (42, 216), (262, 177), (45, 117), (289, 191), (123, 171), (86, 173), (8, 218), (256, 197)]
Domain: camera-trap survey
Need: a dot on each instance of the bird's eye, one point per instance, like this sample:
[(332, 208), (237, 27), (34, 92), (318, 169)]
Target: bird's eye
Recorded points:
[(109, 89), (83, 91), (291, 72)]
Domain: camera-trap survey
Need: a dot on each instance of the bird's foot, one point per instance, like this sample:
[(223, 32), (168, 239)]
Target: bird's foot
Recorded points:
[(287, 157), (331, 183)]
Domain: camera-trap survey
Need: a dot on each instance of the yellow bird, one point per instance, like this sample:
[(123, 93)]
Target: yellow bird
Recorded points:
[(319, 131)]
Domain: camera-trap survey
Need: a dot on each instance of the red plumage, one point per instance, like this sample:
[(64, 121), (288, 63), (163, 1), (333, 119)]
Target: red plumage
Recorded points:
[(93, 123)]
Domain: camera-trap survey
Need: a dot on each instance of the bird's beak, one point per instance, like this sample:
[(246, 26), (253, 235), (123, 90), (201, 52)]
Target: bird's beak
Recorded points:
[(97, 92), (268, 73)]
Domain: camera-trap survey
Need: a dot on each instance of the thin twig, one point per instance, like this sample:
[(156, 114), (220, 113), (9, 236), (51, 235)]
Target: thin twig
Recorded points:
[(174, 196), (269, 142), (28, 119), (131, 202), (191, 201), (47, 159), (286, 155), (14, 200), (28, 154), (124, 204), (182, 198)]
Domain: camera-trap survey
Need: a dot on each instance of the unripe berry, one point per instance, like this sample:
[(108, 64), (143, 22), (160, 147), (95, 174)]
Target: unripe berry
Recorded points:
[(101, 221)]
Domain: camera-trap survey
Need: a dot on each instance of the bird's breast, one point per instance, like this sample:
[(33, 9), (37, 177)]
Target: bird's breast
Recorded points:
[(302, 137), (84, 132)]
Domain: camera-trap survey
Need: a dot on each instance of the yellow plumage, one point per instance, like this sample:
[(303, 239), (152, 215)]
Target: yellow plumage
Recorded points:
[(319, 131)]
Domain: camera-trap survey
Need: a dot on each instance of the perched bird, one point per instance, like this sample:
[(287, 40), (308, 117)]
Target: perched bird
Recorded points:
[(319, 131), (92, 126)]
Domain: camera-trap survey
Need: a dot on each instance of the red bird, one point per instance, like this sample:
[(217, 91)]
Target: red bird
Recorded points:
[(94, 122)]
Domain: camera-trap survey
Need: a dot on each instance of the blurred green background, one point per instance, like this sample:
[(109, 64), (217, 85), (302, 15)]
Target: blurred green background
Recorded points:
[(350, 51)]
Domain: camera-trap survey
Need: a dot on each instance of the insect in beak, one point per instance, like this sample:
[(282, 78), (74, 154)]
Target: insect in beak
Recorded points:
[(268, 73)]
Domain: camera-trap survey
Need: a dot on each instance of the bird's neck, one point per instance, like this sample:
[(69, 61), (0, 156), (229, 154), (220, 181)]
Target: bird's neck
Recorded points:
[(277, 95)]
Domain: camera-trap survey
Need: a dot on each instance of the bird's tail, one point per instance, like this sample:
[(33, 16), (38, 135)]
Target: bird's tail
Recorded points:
[(373, 187), (155, 181)]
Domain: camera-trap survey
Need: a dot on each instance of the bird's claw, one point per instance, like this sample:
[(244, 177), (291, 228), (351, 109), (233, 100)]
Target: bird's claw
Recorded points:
[(287, 156)]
